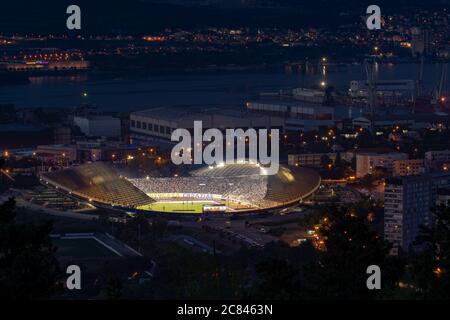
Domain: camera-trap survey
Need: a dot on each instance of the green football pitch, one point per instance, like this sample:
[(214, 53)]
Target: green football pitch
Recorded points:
[(81, 248), (175, 207)]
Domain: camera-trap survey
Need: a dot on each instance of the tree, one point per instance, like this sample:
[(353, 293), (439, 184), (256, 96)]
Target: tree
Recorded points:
[(353, 163), (278, 270), (431, 265), (7, 212), (325, 161), (2, 185), (350, 247), (379, 173), (364, 139), (338, 161), (28, 267), (184, 273), (277, 279), (114, 289)]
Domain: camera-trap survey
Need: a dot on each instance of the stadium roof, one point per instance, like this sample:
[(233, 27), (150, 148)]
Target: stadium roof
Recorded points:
[(97, 182), (292, 184), (229, 170)]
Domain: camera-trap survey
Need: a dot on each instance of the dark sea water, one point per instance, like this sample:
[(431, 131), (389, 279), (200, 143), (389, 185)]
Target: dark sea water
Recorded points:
[(215, 89)]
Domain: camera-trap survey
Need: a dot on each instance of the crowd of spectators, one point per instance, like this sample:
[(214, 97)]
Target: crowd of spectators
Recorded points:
[(250, 189)]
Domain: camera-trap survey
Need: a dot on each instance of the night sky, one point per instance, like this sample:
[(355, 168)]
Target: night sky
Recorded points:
[(137, 17)]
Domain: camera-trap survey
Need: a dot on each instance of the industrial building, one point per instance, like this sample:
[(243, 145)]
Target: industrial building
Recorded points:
[(99, 126), (157, 124), (298, 116)]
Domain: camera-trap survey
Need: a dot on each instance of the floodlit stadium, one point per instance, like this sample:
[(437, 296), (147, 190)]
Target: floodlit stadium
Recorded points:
[(231, 188)]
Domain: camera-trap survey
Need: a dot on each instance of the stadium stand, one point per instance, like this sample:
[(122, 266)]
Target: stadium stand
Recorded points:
[(229, 170), (97, 182), (240, 183), (239, 187), (249, 189)]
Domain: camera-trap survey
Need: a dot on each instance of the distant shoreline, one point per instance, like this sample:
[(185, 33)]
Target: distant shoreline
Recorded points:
[(22, 78)]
